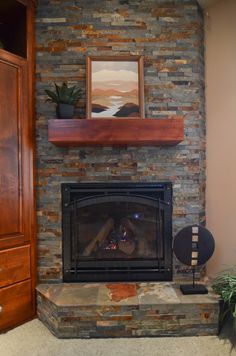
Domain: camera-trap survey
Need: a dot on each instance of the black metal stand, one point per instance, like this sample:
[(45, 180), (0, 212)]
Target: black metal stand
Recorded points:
[(193, 288)]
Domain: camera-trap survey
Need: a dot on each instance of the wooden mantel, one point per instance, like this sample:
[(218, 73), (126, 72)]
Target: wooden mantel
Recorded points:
[(116, 132)]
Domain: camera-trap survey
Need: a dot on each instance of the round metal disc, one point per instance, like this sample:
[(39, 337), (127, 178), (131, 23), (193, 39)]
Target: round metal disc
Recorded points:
[(194, 245)]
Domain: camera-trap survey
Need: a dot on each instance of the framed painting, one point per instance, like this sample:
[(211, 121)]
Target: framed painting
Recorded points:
[(115, 87)]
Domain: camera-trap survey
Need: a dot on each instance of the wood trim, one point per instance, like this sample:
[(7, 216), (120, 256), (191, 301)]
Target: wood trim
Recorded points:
[(11, 57), (13, 241), (116, 132), (31, 144), (26, 2), (131, 58), (141, 87), (88, 87)]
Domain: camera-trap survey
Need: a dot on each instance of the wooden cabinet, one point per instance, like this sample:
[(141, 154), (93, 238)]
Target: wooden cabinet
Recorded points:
[(17, 216)]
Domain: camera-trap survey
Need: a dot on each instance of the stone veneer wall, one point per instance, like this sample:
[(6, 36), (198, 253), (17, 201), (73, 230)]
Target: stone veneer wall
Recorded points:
[(169, 34)]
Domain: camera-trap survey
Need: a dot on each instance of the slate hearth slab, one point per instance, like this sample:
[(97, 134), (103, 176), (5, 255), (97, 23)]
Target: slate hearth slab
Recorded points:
[(125, 310), (157, 293), (78, 294), (118, 294)]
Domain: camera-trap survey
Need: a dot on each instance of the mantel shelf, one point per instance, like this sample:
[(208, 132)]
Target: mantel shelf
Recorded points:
[(116, 132)]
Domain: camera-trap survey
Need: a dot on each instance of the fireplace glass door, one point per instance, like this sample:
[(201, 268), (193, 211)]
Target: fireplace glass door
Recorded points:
[(115, 235)]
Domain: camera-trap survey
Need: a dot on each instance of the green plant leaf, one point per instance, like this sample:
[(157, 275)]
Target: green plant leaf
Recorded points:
[(52, 96), (57, 92)]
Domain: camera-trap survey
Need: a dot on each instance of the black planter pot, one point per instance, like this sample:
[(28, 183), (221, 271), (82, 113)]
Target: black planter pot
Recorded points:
[(65, 111)]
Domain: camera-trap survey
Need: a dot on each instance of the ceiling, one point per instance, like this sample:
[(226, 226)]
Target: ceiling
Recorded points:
[(205, 3)]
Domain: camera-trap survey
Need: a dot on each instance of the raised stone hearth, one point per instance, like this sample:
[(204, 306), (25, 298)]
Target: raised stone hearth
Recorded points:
[(96, 310)]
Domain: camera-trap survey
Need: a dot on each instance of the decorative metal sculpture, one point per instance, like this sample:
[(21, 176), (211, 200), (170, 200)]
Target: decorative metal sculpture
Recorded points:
[(193, 246)]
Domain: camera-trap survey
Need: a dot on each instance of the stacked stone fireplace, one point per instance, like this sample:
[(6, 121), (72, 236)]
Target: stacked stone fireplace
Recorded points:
[(169, 34)]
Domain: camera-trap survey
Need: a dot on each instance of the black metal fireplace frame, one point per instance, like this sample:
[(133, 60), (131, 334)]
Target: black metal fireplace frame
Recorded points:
[(135, 270)]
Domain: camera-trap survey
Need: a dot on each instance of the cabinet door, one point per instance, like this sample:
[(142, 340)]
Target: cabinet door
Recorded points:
[(15, 153), (16, 194)]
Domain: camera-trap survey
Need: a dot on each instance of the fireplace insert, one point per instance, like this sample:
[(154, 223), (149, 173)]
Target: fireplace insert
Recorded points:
[(117, 231)]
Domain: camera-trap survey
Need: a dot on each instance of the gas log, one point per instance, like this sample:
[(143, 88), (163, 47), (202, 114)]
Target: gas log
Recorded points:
[(100, 237)]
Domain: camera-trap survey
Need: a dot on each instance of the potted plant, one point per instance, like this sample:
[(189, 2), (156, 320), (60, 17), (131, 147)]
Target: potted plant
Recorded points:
[(65, 97), (225, 286)]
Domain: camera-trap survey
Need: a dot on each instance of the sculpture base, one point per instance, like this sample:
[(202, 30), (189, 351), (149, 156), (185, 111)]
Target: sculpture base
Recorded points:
[(193, 289)]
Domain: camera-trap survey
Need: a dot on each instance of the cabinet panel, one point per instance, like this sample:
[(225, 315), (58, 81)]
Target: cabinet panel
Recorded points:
[(14, 265), (15, 304), (10, 180), (15, 162)]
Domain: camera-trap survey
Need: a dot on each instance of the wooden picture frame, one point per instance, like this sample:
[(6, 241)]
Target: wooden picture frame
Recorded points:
[(115, 87)]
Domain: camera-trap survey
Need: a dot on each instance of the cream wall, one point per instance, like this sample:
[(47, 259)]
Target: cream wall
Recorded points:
[(220, 38)]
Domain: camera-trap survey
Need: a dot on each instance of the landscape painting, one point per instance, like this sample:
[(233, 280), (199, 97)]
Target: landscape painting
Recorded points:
[(114, 88)]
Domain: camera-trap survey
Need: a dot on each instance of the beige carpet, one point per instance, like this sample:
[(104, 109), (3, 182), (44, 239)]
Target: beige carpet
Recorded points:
[(34, 339)]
